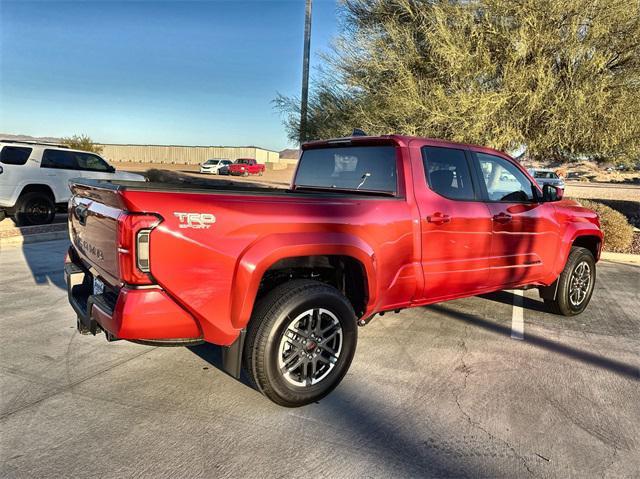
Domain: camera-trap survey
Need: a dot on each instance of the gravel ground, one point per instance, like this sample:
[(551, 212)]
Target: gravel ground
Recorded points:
[(603, 191)]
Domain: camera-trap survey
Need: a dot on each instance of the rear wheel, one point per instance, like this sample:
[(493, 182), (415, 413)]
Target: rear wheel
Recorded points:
[(300, 342), (575, 284), (35, 208)]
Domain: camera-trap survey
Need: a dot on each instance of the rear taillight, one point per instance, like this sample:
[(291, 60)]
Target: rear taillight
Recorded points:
[(142, 250), (134, 234)]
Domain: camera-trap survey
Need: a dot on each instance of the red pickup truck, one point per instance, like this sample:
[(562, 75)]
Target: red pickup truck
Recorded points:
[(282, 277), (246, 167)]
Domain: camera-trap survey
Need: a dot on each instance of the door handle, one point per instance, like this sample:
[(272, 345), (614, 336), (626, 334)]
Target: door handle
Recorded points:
[(438, 218), (502, 218)]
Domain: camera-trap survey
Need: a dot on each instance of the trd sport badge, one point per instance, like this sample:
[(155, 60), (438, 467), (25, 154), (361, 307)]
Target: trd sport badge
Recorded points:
[(195, 220)]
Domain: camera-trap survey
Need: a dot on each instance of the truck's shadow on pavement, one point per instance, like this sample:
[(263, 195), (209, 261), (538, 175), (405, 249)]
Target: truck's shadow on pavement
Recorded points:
[(212, 354), (38, 259), (506, 297), (617, 367), (379, 432)]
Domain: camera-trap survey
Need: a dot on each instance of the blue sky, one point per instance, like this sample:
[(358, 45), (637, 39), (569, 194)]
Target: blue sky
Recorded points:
[(190, 73)]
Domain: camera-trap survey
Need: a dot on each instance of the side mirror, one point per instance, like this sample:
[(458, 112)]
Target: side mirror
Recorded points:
[(111, 169), (551, 193)]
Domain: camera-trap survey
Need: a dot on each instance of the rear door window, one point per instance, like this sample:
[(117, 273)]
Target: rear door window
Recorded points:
[(59, 159), (15, 155), (448, 172)]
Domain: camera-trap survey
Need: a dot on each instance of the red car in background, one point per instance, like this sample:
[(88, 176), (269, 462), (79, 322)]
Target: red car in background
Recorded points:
[(246, 167)]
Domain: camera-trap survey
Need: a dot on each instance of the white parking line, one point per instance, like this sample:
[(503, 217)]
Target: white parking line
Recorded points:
[(517, 316)]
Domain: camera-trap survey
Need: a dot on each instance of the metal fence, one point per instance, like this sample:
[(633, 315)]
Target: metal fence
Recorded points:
[(188, 155)]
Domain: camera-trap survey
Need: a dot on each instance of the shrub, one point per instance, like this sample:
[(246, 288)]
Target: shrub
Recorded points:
[(82, 142), (618, 233)]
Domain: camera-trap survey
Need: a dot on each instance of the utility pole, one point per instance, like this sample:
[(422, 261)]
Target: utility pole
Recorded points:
[(305, 72)]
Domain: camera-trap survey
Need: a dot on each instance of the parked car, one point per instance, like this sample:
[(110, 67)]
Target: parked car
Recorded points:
[(282, 278), (224, 170), (214, 165), (246, 167), (546, 177), (34, 178)]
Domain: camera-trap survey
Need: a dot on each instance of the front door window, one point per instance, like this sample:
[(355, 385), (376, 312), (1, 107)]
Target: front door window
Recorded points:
[(504, 181)]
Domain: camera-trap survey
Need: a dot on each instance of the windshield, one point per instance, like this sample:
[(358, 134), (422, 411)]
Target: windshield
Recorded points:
[(212, 162), (363, 168), (545, 174)]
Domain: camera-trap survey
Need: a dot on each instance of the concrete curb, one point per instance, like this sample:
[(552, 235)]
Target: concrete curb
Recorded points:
[(16, 241), (620, 257)]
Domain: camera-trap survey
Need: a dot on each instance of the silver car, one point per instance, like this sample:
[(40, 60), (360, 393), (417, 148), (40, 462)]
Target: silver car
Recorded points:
[(546, 177)]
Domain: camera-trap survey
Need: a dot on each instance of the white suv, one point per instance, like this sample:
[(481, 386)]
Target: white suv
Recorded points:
[(34, 178)]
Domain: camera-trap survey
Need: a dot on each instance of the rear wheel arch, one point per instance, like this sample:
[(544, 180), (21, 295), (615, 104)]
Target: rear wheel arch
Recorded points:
[(345, 273), (297, 250), (38, 188)]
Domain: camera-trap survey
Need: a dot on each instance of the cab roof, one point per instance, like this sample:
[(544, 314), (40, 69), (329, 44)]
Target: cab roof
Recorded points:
[(400, 140)]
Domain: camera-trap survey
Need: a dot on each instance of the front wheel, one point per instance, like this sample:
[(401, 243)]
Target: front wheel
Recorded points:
[(300, 342), (575, 283)]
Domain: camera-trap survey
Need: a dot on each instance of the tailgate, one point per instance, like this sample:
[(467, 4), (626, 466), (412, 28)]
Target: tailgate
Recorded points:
[(93, 229)]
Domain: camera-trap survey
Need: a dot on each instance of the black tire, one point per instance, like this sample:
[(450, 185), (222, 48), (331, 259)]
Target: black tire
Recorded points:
[(276, 314), (568, 301), (35, 208)]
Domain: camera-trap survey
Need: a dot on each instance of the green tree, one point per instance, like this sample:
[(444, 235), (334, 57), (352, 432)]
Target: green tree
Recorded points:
[(559, 78), (82, 142)]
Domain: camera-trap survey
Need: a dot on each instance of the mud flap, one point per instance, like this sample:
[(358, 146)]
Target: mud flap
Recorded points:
[(232, 356), (549, 292)]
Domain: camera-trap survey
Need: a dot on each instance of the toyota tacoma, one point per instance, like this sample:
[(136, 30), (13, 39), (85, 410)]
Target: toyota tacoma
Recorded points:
[(281, 278)]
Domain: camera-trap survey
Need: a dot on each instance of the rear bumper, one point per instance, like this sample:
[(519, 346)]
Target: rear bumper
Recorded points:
[(134, 314)]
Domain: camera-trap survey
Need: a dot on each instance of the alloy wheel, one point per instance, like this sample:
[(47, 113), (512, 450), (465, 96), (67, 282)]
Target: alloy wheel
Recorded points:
[(310, 347), (579, 283)]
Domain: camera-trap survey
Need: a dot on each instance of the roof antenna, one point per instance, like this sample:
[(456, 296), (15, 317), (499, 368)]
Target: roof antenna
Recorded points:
[(358, 132)]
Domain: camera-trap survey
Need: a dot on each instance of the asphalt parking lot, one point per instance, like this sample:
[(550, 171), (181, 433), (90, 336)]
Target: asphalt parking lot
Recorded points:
[(442, 391)]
